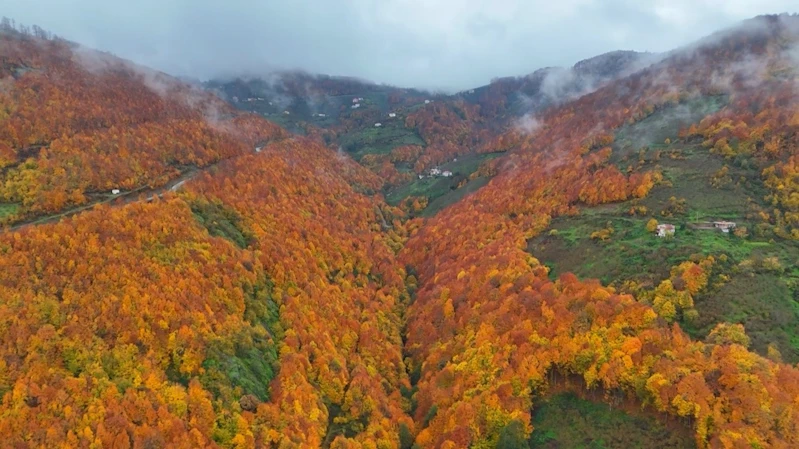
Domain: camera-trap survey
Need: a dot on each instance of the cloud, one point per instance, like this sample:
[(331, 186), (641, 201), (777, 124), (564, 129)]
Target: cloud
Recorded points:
[(448, 44), (527, 124)]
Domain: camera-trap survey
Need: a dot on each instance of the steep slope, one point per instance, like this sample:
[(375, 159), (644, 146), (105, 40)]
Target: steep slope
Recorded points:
[(134, 327), (260, 305), (77, 124), (488, 327), (275, 301)]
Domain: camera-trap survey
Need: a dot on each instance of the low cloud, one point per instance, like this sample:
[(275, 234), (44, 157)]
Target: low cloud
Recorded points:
[(435, 44), (527, 124)]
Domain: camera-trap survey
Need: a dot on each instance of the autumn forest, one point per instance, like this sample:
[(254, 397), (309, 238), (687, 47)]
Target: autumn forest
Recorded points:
[(187, 265)]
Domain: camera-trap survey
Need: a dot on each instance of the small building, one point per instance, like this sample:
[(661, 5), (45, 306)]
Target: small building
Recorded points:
[(471, 91), (427, 102), (435, 172), (446, 173), (286, 112), (115, 192), (258, 149), (392, 115), (355, 100), (724, 226), (421, 176), (664, 230), (322, 115), (356, 106), (378, 125)]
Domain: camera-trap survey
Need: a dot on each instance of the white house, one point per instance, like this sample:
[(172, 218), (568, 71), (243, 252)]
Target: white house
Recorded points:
[(664, 230), (258, 149), (392, 115), (446, 173), (286, 112), (356, 106), (427, 102), (725, 226), (378, 125), (435, 172), (115, 192), (322, 115)]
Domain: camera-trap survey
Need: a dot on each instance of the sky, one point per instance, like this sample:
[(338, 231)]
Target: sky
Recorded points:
[(433, 44)]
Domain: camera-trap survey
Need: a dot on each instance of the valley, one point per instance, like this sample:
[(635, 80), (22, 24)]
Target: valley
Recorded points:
[(599, 256)]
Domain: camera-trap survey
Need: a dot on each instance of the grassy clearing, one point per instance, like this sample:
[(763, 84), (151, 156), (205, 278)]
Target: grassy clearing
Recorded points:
[(453, 196), (379, 140), (221, 221), (764, 302), (663, 124), (565, 421), (441, 192), (8, 210)]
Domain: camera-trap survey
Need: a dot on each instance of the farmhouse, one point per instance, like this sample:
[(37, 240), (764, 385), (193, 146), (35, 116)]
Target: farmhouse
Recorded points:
[(664, 230), (446, 173), (724, 226), (115, 192)]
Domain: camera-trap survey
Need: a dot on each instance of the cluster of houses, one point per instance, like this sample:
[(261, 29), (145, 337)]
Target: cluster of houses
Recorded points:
[(356, 102), (435, 173), (390, 115), (665, 230)]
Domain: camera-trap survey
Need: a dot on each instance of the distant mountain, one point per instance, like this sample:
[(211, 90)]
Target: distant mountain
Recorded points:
[(375, 123)]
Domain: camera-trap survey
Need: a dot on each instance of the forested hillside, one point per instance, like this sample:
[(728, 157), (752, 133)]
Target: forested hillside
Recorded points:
[(252, 288)]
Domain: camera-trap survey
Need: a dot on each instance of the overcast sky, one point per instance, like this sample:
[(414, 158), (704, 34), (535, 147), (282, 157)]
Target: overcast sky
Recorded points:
[(447, 44)]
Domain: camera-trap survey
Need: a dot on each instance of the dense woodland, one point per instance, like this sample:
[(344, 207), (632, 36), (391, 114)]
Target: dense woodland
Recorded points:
[(277, 300)]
